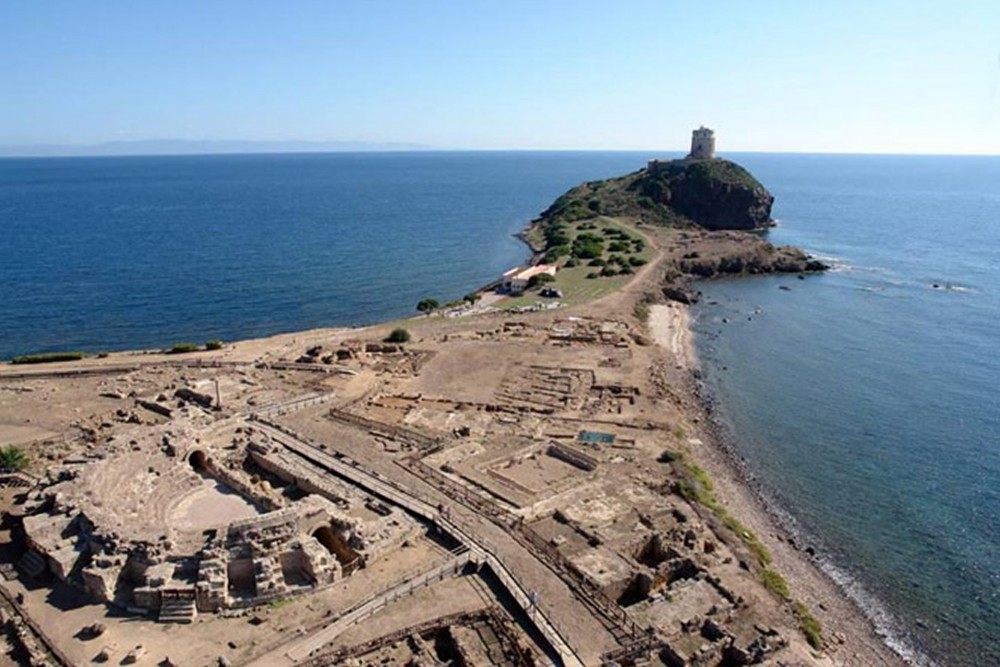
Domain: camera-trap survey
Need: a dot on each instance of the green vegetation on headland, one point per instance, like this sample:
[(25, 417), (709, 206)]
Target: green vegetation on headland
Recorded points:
[(710, 202), (48, 357), (713, 194), (588, 269)]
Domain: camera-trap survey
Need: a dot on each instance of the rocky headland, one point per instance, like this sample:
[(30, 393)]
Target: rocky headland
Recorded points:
[(716, 207), (706, 193)]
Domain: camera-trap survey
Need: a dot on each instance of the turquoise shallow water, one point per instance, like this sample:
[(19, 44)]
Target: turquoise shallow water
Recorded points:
[(865, 400)]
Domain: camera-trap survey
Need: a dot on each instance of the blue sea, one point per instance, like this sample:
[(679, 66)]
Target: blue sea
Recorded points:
[(864, 401)]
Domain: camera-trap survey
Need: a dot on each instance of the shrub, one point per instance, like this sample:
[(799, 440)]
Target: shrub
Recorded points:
[(667, 456), (588, 246), (183, 348), (636, 261), (596, 262), (774, 582), (47, 357), (427, 305), (618, 246), (214, 344), (571, 262), (555, 253), (616, 259), (13, 458), (593, 274), (608, 271), (626, 270), (587, 251), (540, 279), (557, 234), (811, 627), (472, 297), (398, 335)]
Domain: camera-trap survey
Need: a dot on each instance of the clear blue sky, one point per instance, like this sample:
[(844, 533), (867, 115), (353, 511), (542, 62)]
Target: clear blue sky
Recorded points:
[(845, 76)]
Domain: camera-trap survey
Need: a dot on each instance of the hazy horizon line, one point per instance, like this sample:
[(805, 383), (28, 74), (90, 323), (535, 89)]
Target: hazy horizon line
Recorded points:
[(197, 147)]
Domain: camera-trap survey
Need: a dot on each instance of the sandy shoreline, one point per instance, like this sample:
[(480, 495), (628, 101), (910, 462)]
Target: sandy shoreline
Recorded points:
[(671, 327)]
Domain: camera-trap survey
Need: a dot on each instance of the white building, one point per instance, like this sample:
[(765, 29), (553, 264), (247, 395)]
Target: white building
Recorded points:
[(516, 280)]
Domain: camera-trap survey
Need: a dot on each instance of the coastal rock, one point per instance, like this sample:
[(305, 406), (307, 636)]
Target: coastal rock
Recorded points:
[(734, 253), (714, 193), (680, 293)]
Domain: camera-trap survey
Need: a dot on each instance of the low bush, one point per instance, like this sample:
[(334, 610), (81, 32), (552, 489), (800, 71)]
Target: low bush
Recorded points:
[(811, 627), (593, 274), (13, 458), (636, 261), (596, 262), (774, 582), (571, 262), (540, 279), (47, 357), (183, 348), (427, 305), (214, 344), (667, 456), (398, 335), (555, 253)]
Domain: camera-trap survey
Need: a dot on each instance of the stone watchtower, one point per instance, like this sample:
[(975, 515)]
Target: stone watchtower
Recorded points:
[(702, 144)]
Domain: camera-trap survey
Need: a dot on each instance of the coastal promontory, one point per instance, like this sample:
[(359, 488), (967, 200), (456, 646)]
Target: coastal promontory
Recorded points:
[(715, 209), (710, 193)]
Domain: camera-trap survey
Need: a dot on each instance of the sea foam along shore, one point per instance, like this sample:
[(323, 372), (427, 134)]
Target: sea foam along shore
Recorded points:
[(846, 610)]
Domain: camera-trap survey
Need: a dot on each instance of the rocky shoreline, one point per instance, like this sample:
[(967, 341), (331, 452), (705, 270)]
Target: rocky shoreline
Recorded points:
[(847, 625)]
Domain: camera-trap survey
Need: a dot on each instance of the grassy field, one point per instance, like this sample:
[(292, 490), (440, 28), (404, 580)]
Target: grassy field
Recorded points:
[(576, 287)]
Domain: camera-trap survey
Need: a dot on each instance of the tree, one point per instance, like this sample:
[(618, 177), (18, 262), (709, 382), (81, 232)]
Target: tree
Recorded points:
[(398, 335), (427, 305), (13, 458), (540, 279)]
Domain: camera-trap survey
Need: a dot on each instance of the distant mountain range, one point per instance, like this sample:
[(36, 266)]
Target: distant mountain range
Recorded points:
[(186, 147)]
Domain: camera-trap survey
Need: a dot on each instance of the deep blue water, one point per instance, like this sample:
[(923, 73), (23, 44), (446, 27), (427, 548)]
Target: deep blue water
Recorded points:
[(865, 400), (112, 253)]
